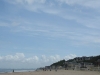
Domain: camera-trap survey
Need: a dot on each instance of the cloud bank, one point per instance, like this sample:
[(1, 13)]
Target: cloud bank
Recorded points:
[(20, 61)]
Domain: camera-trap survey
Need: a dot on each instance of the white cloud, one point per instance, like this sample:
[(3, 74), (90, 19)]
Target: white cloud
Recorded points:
[(86, 3), (82, 17), (32, 59), (71, 56), (35, 1), (16, 57), (26, 1), (19, 60), (71, 14)]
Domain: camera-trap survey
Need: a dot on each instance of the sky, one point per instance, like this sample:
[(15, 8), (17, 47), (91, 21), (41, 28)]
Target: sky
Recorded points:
[(37, 33)]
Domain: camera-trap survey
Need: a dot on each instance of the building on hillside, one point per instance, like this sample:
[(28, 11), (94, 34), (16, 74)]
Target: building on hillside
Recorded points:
[(84, 58), (89, 66), (70, 65), (53, 67), (98, 61), (47, 67), (59, 67), (77, 66), (84, 65)]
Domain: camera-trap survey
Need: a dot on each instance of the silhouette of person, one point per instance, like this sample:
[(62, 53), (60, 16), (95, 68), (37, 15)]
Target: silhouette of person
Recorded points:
[(13, 70)]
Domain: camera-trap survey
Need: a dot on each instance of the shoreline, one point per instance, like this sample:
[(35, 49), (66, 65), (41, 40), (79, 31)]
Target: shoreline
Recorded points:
[(16, 70)]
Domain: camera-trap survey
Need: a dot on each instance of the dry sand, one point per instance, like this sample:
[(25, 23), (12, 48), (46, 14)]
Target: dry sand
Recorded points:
[(59, 72)]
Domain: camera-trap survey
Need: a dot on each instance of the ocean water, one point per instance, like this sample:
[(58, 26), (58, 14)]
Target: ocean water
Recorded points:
[(15, 70)]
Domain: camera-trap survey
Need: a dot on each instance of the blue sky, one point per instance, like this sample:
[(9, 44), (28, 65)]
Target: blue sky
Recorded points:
[(45, 31)]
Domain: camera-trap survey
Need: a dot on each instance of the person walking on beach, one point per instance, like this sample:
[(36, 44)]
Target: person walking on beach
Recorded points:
[(56, 68), (13, 70), (50, 68)]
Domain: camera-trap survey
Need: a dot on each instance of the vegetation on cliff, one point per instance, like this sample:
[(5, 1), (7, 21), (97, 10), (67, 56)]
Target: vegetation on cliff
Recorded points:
[(93, 59)]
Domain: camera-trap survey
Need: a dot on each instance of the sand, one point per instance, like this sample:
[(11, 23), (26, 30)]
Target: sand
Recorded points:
[(53, 72)]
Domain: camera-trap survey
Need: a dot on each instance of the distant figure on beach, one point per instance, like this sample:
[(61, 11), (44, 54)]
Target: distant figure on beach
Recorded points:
[(55, 68), (66, 66), (43, 69), (50, 68), (13, 70)]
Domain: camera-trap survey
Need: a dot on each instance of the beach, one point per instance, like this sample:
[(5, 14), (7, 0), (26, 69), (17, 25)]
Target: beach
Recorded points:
[(53, 72)]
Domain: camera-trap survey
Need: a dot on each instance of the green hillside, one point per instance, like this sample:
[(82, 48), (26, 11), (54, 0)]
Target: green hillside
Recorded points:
[(93, 60)]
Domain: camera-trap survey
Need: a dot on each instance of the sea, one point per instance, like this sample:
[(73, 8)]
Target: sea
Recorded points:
[(15, 70)]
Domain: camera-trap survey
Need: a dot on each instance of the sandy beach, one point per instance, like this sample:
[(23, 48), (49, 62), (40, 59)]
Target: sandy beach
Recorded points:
[(59, 72)]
